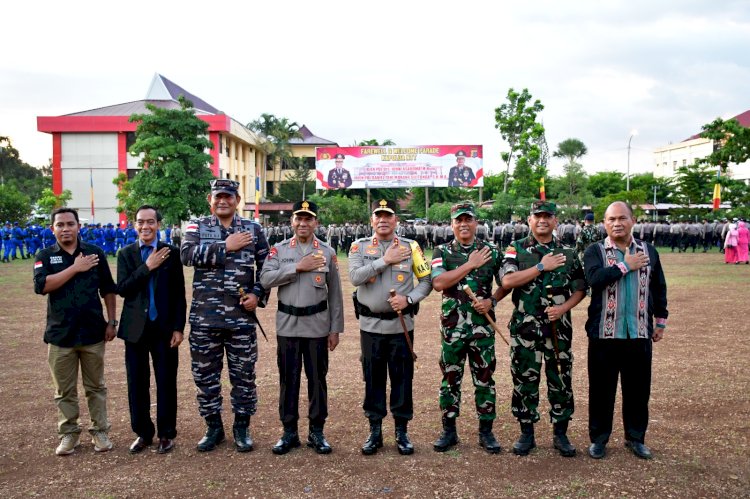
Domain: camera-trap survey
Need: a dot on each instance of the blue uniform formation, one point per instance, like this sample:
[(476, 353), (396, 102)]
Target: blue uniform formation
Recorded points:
[(25, 240)]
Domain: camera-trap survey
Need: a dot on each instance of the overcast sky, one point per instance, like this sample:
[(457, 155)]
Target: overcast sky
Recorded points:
[(415, 72)]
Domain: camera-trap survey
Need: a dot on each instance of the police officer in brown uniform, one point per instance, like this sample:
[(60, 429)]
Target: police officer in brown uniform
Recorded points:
[(308, 322), (376, 266)]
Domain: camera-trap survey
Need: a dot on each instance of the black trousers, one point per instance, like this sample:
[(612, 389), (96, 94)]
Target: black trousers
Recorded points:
[(631, 360), (154, 344), (292, 354), (386, 355)]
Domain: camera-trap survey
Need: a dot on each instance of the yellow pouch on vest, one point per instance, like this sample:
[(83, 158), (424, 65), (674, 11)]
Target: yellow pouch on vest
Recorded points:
[(420, 266)]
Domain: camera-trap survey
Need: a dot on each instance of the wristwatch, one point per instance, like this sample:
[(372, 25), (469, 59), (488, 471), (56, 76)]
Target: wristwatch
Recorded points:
[(540, 267), (409, 300), (113, 322)]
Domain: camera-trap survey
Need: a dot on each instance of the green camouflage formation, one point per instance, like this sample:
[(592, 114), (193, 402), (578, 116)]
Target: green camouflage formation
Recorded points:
[(530, 330), (464, 332), (588, 236)]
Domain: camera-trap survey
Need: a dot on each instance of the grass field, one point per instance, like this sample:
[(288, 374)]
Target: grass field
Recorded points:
[(699, 427)]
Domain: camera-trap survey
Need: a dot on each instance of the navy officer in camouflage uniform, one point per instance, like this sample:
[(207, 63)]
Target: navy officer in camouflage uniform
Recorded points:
[(537, 267), (227, 251), (465, 332), (308, 322), (377, 265)]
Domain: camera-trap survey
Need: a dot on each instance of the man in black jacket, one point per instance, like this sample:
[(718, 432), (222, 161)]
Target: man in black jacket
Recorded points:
[(628, 291), (150, 278)]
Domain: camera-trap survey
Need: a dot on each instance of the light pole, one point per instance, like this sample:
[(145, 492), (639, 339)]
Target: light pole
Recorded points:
[(632, 134)]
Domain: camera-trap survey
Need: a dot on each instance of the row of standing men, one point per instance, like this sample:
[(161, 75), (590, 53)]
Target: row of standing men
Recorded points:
[(235, 268)]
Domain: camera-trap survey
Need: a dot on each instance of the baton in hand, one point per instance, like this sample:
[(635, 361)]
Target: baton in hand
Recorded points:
[(254, 317), (406, 329), (474, 299)]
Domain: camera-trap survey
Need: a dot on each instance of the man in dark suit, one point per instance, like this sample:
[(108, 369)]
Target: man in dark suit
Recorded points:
[(339, 177), (150, 279)]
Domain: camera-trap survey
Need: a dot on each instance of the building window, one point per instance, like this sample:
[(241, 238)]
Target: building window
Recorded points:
[(269, 187), (684, 162), (674, 164), (129, 140)]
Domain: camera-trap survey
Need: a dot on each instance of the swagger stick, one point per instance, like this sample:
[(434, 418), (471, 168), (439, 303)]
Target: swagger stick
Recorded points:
[(253, 316), (474, 298), (406, 329), (550, 298)]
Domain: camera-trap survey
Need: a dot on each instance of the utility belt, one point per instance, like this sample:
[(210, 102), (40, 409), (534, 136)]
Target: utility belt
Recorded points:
[(303, 311), (364, 310)]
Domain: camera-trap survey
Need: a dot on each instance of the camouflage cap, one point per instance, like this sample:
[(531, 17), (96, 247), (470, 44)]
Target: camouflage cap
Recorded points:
[(463, 208), (540, 206), (384, 205), (224, 185), (305, 207)]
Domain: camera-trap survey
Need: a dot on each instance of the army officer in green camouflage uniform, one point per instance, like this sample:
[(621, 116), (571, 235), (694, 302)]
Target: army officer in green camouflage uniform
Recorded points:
[(537, 267), (465, 332)]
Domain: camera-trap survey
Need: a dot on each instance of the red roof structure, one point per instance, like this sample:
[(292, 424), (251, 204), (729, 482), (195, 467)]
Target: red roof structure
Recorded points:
[(743, 119)]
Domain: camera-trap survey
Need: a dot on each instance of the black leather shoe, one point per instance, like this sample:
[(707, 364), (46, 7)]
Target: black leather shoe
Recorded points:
[(639, 449), (165, 445), (448, 437), (139, 445), (526, 441), (405, 447), (375, 440), (487, 440), (243, 442), (318, 441), (563, 445), (560, 439), (597, 451), (213, 437), (289, 440)]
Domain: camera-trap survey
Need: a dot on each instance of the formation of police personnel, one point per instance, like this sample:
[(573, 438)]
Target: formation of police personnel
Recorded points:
[(236, 269), (25, 240)]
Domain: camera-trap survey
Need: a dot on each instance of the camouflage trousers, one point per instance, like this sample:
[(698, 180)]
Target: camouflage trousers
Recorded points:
[(207, 347), (477, 343), (527, 352)]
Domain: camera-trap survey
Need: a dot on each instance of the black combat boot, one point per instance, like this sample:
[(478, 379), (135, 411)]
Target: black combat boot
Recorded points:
[(375, 440), (560, 439), (487, 439), (403, 443), (288, 441), (214, 433), (448, 437), (525, 442), (243, 442), (317, 440)]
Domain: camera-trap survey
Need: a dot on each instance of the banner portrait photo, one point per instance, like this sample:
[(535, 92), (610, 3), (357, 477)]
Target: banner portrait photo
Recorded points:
[(399, 166)]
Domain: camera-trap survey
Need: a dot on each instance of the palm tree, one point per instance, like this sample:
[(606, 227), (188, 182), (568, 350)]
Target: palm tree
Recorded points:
[(278, 131)]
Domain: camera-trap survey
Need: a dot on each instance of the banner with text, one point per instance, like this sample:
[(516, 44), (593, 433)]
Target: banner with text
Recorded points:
[(398, 166)]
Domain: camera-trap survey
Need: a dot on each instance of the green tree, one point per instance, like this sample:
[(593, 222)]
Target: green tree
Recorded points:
[(695, 183), (14, 171), (49, 201), (298, 184), (450, 195), (507, 206), (646, 183), (604, 183), (439, 212), (516, 121), (278, 131), (731, 143), (634, 197), (175, 173), (374, 142), (14, 205), (574, 175), (340, 209)]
